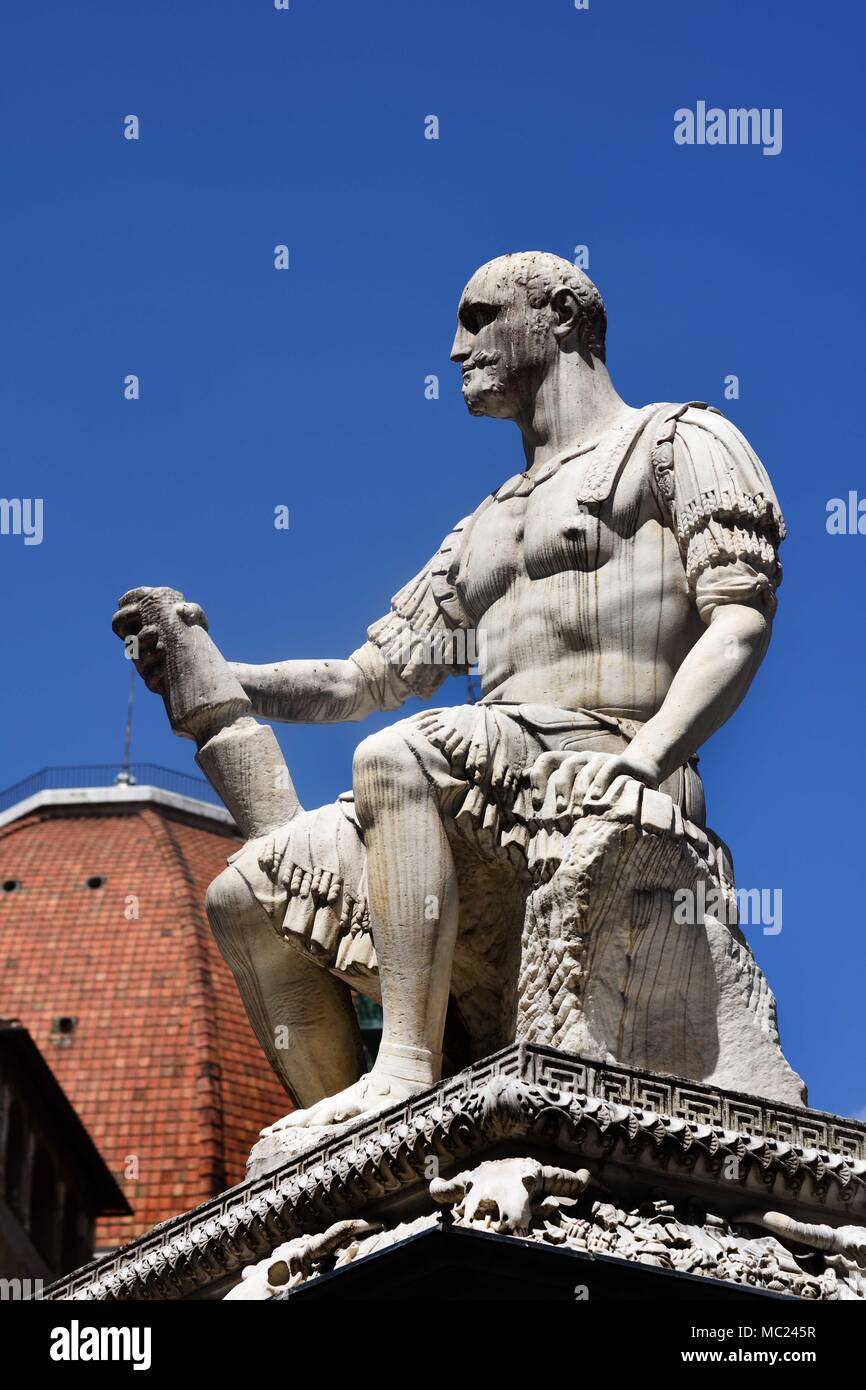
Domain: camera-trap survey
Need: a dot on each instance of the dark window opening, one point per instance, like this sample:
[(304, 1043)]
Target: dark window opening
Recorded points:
[(11, 885), (63, 1026), (96, 881)]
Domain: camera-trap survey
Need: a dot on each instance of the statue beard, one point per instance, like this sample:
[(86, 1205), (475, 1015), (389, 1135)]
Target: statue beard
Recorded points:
[(488, 381)]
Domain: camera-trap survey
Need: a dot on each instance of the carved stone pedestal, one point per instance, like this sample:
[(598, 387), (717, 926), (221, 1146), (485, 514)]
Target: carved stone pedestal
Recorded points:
[(532, 1174)]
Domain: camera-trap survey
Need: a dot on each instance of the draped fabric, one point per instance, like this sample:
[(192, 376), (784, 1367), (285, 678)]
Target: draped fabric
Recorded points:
[(311, 875)]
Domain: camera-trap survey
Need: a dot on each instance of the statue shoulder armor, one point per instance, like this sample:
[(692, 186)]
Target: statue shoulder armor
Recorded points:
[(443, 574), (715, 493)]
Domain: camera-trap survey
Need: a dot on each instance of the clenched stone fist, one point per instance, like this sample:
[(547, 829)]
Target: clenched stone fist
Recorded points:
[(142, 634)]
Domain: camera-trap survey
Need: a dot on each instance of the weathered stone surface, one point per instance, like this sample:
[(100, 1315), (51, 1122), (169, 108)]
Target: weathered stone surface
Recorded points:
[(617, 1159), (657, 1233)]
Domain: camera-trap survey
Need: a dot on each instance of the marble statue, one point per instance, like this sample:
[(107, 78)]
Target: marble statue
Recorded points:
[(508, 869)]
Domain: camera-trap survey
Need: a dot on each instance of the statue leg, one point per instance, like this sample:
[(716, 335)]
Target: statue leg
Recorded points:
[(301, 1015), (413, 895)]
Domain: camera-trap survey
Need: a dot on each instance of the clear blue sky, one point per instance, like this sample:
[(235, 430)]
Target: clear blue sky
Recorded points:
[(306, 387)]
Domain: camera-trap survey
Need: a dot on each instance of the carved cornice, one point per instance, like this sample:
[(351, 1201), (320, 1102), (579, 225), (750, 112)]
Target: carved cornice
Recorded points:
[(656, 1127)]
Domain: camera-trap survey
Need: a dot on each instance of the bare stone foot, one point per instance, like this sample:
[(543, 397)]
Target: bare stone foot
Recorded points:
[(373, 1091)]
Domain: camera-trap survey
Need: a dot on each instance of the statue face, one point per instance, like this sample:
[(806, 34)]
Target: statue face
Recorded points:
[(504, 346)]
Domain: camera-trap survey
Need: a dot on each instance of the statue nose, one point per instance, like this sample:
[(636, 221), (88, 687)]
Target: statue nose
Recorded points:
[(461, 347)]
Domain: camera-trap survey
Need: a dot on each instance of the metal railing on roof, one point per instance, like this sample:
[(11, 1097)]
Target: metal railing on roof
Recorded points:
[(108, 775)]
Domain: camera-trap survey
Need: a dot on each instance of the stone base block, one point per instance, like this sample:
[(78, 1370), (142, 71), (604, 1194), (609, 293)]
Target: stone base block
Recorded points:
[(533, 1160)]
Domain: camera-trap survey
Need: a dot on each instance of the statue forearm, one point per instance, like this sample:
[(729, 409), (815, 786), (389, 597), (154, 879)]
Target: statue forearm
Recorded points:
[(707, 688), (315, 691)]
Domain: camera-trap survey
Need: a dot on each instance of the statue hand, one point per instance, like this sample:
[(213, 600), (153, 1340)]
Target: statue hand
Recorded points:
[(563, 781), (143, 640)]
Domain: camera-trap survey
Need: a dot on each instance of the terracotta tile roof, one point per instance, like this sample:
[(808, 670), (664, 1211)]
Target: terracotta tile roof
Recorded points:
[(161, 1063)]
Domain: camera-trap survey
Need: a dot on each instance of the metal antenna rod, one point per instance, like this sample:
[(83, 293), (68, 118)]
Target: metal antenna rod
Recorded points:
[(123, 775)]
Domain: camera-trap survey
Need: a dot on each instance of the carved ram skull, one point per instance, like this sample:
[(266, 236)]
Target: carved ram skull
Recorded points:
[(504, 1194), (292, 1263), (848, 1241)]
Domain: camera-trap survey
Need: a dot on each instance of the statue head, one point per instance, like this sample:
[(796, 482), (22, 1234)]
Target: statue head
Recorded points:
[(517, 316)]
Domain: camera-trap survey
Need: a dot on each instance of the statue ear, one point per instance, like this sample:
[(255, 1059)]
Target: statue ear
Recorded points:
[(566, 313)]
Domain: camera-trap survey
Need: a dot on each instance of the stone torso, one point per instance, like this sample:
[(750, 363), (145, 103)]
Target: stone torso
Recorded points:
[(577, 605)]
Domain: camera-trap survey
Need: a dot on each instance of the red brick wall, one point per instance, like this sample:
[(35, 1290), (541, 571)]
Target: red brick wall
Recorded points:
[(162, 1066)]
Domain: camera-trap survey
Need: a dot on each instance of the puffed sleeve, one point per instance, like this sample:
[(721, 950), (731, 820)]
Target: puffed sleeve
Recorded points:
[(721, 506), (424, 636)]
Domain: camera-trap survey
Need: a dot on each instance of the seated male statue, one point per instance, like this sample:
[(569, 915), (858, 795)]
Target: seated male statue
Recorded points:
[(619, 594)]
